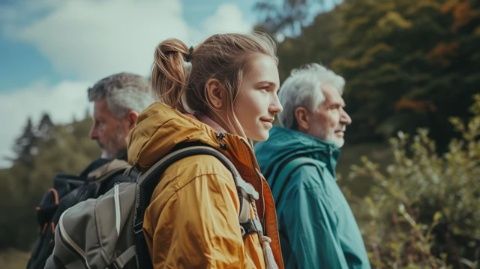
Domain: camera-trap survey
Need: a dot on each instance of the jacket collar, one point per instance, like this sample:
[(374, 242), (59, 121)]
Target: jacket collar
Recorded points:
[(287, 144)]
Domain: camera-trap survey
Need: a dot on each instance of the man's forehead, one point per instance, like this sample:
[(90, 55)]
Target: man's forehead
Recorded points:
[(332, 95), (101, 109)]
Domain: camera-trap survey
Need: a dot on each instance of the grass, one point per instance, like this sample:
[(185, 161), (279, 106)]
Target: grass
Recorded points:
[(13, 259)]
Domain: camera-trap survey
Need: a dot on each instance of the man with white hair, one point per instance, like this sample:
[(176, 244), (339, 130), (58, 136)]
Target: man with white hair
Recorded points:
[(317, 227)]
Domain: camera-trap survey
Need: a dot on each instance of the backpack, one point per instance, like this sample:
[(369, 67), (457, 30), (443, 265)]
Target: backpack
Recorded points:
[(67, 191), (107, 232)]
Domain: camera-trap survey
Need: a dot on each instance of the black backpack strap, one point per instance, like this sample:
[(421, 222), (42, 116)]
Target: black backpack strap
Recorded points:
[(149, 180)]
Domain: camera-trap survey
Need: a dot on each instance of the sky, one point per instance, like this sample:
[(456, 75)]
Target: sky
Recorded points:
[(51, 51)]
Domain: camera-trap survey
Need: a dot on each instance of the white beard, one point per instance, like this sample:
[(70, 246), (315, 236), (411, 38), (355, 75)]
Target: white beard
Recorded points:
[(337, 141)]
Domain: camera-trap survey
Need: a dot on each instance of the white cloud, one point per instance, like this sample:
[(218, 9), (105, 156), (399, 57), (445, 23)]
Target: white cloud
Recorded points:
[(92, 39), (62, 102), (227, 18)]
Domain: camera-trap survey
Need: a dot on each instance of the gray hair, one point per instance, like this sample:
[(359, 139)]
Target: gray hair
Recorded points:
[(123, 92), (303, 88)]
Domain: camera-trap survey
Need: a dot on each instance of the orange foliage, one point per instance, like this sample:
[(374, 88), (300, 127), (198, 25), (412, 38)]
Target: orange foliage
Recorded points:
[(443, 52), (415, 105), (462, 13)]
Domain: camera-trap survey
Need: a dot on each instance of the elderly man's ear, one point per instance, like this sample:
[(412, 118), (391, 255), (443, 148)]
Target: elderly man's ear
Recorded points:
[(302, 116), (132, 117)]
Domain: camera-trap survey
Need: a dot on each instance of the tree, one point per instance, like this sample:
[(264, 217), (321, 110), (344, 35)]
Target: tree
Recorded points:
[(45, 126), (407, 64), (288, 17), (63, 148), (25, 144)]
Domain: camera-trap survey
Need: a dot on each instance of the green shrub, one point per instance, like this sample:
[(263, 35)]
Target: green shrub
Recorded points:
[(423, 209)]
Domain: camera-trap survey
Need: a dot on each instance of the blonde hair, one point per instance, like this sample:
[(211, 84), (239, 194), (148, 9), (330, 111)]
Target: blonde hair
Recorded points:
[(179, 74)]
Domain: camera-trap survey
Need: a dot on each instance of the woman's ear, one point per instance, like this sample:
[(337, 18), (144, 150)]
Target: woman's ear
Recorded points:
[(302, 116), (215, 93)]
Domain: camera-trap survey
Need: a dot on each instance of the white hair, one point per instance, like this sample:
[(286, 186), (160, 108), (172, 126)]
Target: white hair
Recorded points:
[(123, 92), (304, 88)]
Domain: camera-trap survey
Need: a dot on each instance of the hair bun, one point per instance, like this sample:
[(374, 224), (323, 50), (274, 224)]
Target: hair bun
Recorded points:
[(188, 57)]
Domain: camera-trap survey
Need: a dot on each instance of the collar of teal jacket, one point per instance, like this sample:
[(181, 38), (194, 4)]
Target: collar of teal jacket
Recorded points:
[(286, 144)]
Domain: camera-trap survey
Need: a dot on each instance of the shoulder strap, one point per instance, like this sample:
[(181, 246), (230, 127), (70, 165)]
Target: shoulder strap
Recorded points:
[(148, 181), (108, 169), (100, 180), (279, 180)]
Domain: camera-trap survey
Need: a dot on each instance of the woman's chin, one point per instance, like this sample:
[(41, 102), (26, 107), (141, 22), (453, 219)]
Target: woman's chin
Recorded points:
[(259, 137)]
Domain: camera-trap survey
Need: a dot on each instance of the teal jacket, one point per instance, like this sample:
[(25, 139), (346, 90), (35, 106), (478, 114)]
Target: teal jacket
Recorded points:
[(317, 227)]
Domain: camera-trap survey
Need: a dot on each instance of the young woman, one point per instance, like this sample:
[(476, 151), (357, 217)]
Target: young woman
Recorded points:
[(221, 93)]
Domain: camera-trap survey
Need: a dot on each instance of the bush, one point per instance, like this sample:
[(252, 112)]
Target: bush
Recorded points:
[(423, 210)]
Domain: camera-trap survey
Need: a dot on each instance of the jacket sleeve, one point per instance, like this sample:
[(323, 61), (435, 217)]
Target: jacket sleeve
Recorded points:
[(201, 221), (309, 223)]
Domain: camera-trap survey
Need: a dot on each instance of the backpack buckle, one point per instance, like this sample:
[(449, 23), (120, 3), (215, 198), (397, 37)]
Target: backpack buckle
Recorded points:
[(138, 227), (249, 227)]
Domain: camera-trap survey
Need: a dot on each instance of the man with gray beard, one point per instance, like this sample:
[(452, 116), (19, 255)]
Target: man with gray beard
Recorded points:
[(117, 102), (317, 227)]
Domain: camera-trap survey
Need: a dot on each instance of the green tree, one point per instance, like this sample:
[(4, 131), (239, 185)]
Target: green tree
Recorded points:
[(287, 17), (25, 144), (407, 64), (62, 148)]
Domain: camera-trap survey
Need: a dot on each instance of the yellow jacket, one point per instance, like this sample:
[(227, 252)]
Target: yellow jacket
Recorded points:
[(192, 220)]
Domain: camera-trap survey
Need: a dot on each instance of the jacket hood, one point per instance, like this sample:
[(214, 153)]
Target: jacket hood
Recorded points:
[(286, 144), (159, 129)]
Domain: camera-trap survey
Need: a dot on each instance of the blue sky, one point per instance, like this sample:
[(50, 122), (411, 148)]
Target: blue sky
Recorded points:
[(51, 51)]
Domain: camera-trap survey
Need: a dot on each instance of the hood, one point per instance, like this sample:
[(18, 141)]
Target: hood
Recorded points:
[(160, 128), (286, 144)]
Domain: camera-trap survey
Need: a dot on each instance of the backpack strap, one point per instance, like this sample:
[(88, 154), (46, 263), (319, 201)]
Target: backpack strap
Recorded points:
[(278, 181), (125, 257), (148, 181), (108, 169), (106, 176)]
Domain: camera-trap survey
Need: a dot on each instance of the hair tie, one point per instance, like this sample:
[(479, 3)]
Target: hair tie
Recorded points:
[(188, 57)]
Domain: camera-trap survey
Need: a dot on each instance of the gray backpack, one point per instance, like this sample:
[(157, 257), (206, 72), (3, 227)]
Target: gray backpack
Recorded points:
[(107, 232)]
